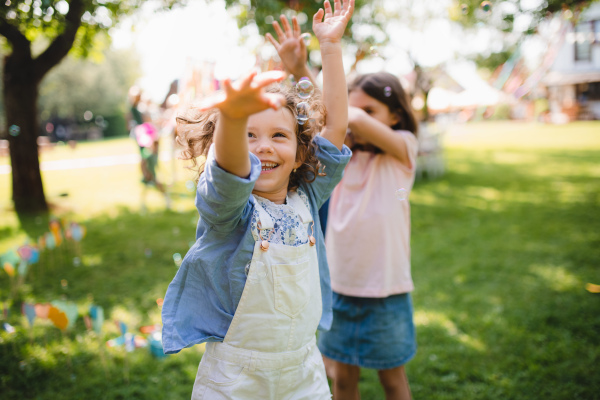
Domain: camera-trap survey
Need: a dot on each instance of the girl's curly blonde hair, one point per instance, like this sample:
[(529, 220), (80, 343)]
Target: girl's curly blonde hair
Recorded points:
[(195, 130)]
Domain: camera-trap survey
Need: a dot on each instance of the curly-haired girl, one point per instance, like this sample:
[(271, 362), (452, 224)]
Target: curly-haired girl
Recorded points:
[(255, 285)]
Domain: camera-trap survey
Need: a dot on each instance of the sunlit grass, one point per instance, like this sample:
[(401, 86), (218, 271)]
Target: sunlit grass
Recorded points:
[(524, 136), (502, 247)]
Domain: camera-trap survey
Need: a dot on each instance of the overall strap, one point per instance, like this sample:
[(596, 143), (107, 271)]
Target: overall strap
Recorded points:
[(266, 222), (296, 202)]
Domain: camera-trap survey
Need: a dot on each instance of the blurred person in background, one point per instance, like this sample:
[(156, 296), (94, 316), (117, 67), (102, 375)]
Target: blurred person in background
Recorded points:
[(147, 137)]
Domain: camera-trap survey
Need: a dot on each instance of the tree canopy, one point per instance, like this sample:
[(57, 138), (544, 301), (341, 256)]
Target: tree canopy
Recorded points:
[(54, 27), (512, 19), (31, 20)]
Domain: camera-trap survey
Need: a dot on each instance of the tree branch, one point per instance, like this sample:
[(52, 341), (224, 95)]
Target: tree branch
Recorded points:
[(62, 44), (20, 44)]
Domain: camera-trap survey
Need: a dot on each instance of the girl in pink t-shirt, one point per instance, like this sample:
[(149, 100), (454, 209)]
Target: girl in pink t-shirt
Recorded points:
[(368, 230), (368, 242)]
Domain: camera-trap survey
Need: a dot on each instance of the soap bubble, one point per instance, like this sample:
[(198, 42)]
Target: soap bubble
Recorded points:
[(148, 253), (374, 51), (64, 283), (191, 186), (306, 38), (486, 6), (258, 272), (14, 130), (305, 88), (175, 231), (401, 194), (100, 121), (88, 115), (178, 259), (76, 261), (303, 110), (387, 91), (464, 9)]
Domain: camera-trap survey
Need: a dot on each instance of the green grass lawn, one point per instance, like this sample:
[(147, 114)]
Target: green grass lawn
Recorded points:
[(502, 248)]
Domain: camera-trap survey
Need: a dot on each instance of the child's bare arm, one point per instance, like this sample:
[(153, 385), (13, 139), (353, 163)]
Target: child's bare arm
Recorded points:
[(329, 31), (238, 101), (378, 134)]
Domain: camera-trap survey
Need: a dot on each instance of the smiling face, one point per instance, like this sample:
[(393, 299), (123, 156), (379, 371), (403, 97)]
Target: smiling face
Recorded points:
[(272, 138)]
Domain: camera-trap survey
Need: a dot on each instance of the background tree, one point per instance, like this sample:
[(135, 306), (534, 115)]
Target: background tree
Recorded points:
[(97, 84), (61, 26), (512, 20), (374, 22)]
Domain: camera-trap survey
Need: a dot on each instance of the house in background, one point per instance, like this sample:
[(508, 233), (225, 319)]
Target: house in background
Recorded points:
[(573, 80)]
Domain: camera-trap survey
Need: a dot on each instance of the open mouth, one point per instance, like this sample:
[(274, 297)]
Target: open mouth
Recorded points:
[(268, 166)]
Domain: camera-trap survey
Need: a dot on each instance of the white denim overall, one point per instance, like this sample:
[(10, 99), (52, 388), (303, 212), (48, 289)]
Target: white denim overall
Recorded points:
[(269, 351)]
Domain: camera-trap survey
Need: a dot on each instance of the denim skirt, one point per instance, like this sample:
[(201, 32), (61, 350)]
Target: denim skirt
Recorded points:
[(377, 333)]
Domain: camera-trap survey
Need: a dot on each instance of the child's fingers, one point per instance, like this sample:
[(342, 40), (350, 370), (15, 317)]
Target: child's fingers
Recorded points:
[(212, 101), (278, 31), (348, 8), (318, 17), (301, 41), (274, 42), (328, 12), (227, 85), (286, 26), (296, 26), (274, 100), (244, 81), (337, 7), (266, 78)]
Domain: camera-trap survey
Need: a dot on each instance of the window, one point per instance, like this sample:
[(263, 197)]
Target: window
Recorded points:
[(588, 91), (583, 41)]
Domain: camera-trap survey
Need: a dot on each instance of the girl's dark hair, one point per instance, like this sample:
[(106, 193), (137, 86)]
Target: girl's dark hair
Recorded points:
[(195, 132), (395, 98)]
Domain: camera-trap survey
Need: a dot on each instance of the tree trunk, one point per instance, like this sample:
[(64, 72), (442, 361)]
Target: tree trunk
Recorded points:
[(20, 98), (426, 106), (22, 75)]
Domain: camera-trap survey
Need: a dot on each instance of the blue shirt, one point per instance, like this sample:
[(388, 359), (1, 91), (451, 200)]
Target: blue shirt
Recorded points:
[(202, 298)]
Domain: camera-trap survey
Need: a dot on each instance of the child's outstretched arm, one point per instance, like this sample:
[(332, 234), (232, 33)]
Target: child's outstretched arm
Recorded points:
[(239, 100), (291, 48), (379, 134), (329, 31)]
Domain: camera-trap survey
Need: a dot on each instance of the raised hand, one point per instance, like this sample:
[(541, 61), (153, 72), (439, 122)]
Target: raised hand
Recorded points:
[(246, 96), (331, 28), (290, 46)]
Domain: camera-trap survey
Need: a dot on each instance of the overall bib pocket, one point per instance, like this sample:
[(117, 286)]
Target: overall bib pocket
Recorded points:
[(222, 373), (292, 287)]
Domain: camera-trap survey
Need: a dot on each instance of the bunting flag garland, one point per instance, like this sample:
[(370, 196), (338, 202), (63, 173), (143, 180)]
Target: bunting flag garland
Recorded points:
[(29, 311), (97, 316), (69, 309), (9, 268), (58, 318), (19, 261), (63, 314), (42, 310)]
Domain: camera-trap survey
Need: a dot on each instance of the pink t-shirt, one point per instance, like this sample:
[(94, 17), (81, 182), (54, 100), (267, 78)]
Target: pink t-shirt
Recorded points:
[(368, 227)]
